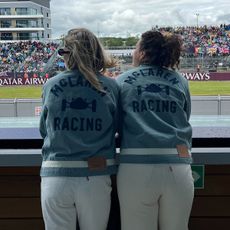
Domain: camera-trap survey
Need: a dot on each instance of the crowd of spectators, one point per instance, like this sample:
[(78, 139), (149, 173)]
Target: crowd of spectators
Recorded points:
[(204, 41), (25, 56), (32, 56)]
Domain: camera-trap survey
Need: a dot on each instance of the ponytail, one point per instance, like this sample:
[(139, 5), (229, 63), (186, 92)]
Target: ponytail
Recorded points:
[(160, 49), (87, 55)]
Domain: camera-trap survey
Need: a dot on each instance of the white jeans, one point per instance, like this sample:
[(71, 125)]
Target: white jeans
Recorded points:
[(66, 200), (155, 197)]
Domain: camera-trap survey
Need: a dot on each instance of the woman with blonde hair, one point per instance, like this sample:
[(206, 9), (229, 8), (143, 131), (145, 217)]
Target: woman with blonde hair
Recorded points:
[(78, 124), (154, 181)]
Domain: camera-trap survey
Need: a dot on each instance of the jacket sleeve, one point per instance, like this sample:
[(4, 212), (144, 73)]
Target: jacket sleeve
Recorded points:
[(188, 102), (42, 123), (119, 110)]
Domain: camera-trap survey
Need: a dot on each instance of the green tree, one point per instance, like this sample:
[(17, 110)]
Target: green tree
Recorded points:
[(131, 41), (113, 41)]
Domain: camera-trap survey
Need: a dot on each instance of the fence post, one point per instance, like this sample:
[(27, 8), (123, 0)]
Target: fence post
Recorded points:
[(219, 104), (15, 107)]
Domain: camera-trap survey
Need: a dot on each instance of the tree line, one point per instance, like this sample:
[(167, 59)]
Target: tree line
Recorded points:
[(113, 41)]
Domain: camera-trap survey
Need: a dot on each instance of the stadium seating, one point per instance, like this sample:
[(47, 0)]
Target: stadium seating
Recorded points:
[(32, 56)]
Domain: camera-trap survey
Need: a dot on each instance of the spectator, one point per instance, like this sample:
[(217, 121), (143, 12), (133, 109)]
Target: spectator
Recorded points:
[(78, 124), (154, 181), (31, 56)]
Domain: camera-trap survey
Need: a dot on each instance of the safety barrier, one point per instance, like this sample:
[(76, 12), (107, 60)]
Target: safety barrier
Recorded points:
[(20, 160), (201, 105), (20, 190)]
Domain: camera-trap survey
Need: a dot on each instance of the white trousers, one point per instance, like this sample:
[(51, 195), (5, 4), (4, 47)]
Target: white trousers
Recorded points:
[(66, 200), (155, 197)]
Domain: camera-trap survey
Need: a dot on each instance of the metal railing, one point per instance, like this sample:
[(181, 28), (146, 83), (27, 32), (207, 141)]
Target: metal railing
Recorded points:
[(201, 105)]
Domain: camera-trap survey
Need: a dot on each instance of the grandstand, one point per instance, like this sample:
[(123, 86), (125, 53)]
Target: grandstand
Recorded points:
[(205, 49)]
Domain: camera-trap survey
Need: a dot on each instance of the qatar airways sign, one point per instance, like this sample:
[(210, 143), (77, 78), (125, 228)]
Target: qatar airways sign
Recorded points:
[(207, 76), (197, 76), (8, 79)]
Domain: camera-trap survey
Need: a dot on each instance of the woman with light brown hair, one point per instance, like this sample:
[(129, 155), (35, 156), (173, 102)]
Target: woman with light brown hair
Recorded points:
[(78, 124)]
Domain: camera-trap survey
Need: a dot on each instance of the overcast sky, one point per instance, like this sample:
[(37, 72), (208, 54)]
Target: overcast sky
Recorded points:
[(132, 17)]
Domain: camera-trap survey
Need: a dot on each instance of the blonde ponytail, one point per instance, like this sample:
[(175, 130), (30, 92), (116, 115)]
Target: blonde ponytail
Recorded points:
[(87, 55)]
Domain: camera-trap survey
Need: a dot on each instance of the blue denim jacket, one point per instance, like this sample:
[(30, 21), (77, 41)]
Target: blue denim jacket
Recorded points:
[(155, 108), (77, 123)]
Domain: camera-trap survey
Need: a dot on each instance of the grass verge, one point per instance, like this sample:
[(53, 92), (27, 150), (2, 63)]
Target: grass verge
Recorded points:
[(205, 88)]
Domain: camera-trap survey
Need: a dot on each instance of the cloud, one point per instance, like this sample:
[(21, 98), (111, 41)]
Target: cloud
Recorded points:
[(129, 17)]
